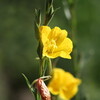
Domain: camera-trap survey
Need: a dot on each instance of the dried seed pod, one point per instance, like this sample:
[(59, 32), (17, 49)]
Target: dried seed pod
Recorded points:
[(43, 90)]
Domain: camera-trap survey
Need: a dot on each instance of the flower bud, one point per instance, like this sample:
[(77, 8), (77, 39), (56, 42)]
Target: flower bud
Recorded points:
[(43, 90)]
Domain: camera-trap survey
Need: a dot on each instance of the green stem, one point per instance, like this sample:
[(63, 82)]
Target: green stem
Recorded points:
[(42, 66), (45, 63), (74, 39), (37, 96), (73, 36)]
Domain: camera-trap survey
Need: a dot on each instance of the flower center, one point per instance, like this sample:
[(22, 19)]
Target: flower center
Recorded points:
[(52, 46)]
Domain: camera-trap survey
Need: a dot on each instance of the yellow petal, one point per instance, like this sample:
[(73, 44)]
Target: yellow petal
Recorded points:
[(58, 35), (44, 32), (64, 49), (54, 33), (63, 84), (66, 45), (64, 54), (61, 37), (71, 86), (55, 86)]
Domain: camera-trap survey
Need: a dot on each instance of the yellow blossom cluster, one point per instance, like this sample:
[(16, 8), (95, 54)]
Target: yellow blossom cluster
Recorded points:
[(63, 84), (55, 42)]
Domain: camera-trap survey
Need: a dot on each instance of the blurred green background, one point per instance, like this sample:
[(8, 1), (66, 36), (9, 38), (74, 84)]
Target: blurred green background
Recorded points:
[(18, 46)]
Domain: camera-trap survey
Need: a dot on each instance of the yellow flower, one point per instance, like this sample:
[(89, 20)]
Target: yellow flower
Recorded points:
[(55, 42), (63, 84)]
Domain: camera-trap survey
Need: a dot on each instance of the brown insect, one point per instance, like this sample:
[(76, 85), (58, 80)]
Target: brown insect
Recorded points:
[(43, 90)]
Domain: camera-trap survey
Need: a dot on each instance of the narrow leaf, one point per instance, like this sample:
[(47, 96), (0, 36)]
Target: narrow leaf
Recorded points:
[(28, 83)]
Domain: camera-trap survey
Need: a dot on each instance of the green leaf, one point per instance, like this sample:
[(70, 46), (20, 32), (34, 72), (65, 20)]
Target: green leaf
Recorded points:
[(28, 83), (46, 66), (36, 31), (40, 49), (37, 14), (49, 12), (37, 23), (48, 4)]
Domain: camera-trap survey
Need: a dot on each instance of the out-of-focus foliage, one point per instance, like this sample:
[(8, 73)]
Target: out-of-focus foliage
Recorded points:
[(18, 44)]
